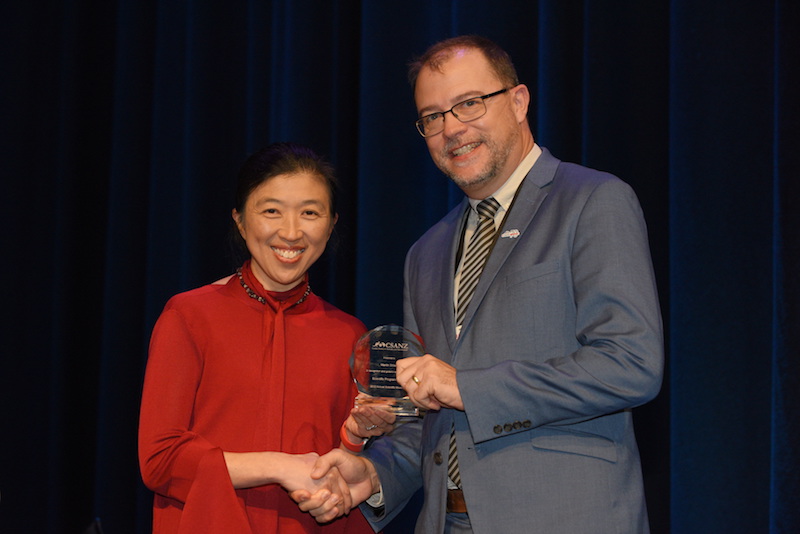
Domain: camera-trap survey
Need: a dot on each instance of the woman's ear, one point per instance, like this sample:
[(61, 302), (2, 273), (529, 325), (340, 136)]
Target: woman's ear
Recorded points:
[(237, 219), (334, 220)]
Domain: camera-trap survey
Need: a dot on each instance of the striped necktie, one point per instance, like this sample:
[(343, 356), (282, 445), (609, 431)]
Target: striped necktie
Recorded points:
[(477, 251)]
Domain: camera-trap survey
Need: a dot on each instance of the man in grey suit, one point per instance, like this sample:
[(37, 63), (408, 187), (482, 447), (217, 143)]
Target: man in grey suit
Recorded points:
[(537, 355)]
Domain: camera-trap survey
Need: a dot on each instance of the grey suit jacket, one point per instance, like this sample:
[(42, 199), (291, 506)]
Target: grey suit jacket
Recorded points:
[(562, 338)]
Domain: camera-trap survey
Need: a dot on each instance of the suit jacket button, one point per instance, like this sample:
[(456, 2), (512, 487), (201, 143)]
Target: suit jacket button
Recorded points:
[(508, 427), (498, 429), (526, 424), (517, 425), (437, 458)]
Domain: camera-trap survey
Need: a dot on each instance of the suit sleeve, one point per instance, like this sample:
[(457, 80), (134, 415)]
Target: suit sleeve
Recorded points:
[(614, 326)]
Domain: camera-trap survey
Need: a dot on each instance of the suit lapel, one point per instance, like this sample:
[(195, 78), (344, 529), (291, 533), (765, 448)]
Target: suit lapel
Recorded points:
[(455, 225), (519, 220)]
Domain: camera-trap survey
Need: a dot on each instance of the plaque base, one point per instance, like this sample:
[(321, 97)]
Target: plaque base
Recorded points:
[(400, 406)]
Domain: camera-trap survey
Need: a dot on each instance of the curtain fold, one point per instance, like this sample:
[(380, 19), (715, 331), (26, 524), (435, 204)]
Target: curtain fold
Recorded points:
[(721, 211), (785, 408), (125, 123)]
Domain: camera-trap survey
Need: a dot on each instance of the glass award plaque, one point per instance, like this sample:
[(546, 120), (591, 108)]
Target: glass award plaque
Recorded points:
[(374, 367)]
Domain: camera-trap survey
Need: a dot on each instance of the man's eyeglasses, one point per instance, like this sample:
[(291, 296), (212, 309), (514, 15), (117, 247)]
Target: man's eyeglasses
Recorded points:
[(468, 110)]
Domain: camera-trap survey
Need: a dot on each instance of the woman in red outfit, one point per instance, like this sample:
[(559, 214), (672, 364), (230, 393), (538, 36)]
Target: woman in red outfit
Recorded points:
[(247, 378)]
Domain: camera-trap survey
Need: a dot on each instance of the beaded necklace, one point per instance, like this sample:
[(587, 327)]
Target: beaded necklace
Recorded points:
[(253, 295)]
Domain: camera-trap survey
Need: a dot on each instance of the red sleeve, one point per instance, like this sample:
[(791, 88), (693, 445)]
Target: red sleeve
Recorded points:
[(169, 454)]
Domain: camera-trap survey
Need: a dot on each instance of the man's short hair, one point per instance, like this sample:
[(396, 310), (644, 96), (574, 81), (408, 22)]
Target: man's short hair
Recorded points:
[(435, 56)]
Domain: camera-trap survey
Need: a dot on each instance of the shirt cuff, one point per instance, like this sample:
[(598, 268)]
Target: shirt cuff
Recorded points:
[(376, 499)]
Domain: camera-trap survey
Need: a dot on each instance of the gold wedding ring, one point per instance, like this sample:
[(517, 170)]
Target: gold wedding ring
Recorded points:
[(415, 379)]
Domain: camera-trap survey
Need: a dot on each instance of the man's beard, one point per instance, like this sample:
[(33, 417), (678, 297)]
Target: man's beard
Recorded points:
[(487, 174)]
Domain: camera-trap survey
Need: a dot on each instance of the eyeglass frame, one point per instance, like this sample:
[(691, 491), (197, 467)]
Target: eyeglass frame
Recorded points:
[(418, 122)]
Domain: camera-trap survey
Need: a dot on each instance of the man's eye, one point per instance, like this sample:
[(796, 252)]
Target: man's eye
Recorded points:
[(470, 103), (433, 117)]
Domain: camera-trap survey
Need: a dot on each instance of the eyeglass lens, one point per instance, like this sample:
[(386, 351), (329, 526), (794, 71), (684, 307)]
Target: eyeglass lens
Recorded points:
[(464, 111)]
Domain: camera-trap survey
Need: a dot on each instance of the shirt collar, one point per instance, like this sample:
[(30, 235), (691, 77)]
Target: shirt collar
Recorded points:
[(506, 193)]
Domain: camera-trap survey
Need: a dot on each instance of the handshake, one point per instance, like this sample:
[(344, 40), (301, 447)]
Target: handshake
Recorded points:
[(333, 484), (339, 480), (327, 486)]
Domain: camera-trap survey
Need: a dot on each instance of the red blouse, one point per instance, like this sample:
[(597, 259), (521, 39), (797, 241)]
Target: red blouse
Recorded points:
[(228, 373)]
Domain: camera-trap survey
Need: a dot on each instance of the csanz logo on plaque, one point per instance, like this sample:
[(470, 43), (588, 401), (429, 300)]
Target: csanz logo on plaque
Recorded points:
[(390, 345), (374, 367)]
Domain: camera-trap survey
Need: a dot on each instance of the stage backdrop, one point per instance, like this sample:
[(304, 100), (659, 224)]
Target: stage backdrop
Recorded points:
[(124, 123)]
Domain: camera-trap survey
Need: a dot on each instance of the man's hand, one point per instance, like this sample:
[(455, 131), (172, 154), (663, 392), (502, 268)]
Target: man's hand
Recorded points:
[(429, 382), (357, 472)]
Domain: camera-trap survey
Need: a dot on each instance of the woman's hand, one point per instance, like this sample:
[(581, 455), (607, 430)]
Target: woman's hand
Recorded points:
[(290, 471), (368, 421)]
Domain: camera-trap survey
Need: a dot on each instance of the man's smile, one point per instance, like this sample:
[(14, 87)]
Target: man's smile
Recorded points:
[(465, 149)]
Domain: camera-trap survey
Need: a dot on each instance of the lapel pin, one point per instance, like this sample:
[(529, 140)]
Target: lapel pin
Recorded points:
[(512, 234)]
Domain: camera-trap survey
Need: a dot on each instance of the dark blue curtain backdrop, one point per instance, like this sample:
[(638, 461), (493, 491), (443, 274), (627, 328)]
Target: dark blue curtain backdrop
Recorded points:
[(124, 123)]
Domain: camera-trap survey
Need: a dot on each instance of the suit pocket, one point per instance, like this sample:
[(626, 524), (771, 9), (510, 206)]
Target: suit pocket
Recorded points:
[(534, 308), (570, 442), (540, 269)]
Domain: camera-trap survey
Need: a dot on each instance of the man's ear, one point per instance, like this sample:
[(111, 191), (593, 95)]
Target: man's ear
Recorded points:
[(522, 100)]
